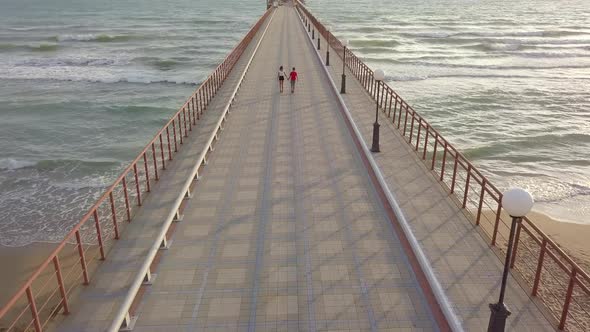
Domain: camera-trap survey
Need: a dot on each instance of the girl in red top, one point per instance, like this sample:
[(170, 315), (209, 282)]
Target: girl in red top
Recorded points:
[(293, 79)]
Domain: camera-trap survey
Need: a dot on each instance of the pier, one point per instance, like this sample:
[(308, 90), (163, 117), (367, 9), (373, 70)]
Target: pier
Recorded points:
[(255, 210)]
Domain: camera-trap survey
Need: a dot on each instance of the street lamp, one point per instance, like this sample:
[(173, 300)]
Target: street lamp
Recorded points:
[(343, 85), (328, 28), (379, 75), (517, 202)]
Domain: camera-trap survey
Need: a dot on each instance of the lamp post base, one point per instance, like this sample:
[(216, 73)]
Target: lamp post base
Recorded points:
[(375, 145), (343, 85), (498, 317)]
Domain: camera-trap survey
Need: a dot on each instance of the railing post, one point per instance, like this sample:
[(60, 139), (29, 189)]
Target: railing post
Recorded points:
[(126, 198), (390, 98), (467, 186), (444, 161), (147, 172), (497, 222), (155, 161), (98, 234), (418, 135), (382, 88), (197, 104), (481, 196), (434, 151), (399, 118), (394, 110), (195, 110), (62, 288), (33, 308), (190, 121), (168, 140), (425, 139), (180, 128), (174, 134), (412, 127), (539, 268), (114, 215), (162, 152), (82, 258), (202, 99), (406, 119), (184, 117), (568, 298), (137, 184), (456, 163)]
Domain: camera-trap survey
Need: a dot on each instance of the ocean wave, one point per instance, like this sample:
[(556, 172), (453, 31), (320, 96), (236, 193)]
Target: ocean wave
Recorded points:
[(53, 164), (492, 67), (160, 63), (103, 38), (8, 47), (491, 76), (428, 34), (487, 47), (12, 164), (44, 48), (67, 76), (374, 43), (76, 62), (486, 34), (493, 149)]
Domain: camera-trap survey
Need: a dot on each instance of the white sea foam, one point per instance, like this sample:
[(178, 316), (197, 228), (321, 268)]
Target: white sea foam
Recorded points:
[(89, 73), (70, 61), (80, 37), (12, 164)]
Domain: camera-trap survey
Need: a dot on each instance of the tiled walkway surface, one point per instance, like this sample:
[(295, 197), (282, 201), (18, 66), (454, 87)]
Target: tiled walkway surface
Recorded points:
[(284, 232), (463, 262)]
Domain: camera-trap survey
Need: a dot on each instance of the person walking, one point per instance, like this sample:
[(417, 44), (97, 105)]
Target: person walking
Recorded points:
[(282, 76), (293, 79)]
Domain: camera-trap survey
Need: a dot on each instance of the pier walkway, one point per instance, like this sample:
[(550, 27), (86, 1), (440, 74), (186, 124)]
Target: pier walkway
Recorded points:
[(289, 228)]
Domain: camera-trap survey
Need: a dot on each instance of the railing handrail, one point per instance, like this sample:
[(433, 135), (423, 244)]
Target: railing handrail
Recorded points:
[(123, 311), (365, 75), (76, 228)]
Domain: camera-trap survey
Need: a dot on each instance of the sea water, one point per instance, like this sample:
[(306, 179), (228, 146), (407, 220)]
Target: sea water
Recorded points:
[(84, 84)]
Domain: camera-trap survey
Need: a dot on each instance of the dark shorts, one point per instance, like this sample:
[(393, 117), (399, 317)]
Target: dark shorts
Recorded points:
[(281, 78)]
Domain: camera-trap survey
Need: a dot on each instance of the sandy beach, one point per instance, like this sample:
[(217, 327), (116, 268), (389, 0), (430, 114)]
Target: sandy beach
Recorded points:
[(19, 263), (574, 238)]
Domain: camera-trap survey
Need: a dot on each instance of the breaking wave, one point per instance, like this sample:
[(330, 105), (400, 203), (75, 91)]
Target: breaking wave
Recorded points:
[(102, 38)]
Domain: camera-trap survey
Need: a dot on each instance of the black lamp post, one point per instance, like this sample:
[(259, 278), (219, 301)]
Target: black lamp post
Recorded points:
[(328, 28), (343, 85), (312, 33), (379, 75), (517, 202)]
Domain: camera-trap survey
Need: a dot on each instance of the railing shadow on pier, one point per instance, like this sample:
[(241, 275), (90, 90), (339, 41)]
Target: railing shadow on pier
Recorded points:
[(550, 274)]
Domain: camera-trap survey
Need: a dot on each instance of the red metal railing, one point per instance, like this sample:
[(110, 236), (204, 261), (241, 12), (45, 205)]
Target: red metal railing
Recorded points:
[(552, 275), (49, 289)]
